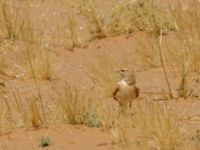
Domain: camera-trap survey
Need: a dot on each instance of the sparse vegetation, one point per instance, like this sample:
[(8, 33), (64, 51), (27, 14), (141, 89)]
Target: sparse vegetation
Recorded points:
[(39, 63), (15, 22), (45, 141), (157, 121), (95, 21), (103, 73), (33, 39), (75, 106), (29, 110), (72, 25)]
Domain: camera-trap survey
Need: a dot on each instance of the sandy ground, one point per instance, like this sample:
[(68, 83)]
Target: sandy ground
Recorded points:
[(72, 67), (151, 83), (63, 137)]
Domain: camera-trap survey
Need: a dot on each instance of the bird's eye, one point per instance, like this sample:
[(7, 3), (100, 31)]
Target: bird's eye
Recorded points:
[(123, 70)]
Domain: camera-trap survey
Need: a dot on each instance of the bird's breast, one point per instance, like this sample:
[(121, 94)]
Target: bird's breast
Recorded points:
[(122, 84)]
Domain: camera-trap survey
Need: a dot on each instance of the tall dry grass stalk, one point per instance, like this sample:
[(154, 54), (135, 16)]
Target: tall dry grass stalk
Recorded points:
[(186, 37), (158, 41), (183, 87), (37, 84), (187, 22), (178, 51), (159, 44)]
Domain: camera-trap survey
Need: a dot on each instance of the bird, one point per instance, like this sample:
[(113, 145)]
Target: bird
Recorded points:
[(126, 90)]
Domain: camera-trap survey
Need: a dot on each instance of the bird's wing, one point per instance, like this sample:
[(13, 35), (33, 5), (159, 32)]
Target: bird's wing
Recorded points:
[(137, 91), (115, 93)]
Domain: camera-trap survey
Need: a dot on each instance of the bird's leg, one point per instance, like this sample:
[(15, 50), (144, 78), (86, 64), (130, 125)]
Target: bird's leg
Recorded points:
[(122, 109), (130, 108), (130, 105), (119, 110)]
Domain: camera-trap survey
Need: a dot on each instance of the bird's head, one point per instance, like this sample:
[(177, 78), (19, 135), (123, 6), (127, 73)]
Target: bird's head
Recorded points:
[(122, 71), (127, 76)]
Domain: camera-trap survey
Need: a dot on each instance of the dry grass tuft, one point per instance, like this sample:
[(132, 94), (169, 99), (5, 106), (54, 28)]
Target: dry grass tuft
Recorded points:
[(103, 73), (158, 123), (108, 114), (127, 17), (94, 20), (5, 114), (39, 64), (76, 107), (152, 126), (133, 16), (119, 136), (3, 65), (16, 22), (73, 34), (29, 110)]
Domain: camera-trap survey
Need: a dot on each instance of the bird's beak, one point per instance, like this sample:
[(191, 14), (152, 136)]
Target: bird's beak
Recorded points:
[(116, 70)]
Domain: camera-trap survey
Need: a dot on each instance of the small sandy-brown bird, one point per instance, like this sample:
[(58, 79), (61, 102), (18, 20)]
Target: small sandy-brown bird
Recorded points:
[(126, 90)]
